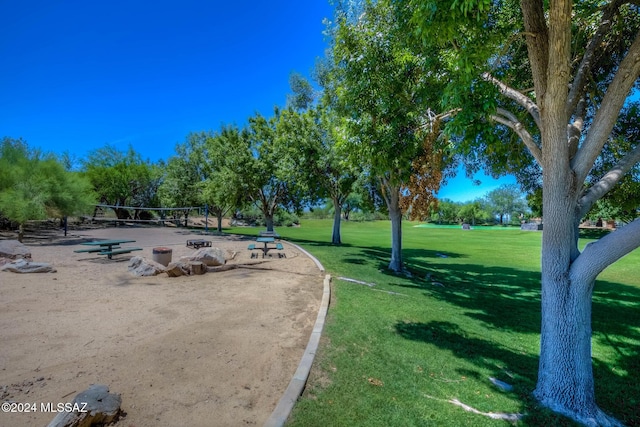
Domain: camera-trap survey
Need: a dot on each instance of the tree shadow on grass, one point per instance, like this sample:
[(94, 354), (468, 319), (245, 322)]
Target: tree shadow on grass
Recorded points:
[(517, 369), (508, 299)]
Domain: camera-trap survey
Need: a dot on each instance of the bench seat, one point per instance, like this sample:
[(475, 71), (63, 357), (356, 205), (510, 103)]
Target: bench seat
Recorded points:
[(93, 249), (118, 251)]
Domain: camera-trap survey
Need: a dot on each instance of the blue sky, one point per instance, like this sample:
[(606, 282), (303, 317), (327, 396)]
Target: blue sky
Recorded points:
[(78, 75)]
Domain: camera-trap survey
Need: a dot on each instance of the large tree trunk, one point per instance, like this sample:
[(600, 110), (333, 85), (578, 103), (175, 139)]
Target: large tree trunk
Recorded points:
[(565, 375), (335, 237)]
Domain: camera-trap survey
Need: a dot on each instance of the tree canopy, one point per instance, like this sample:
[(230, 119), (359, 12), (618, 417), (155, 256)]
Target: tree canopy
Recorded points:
[(122, 178), (536, 89), (385, 90), (35, 186)]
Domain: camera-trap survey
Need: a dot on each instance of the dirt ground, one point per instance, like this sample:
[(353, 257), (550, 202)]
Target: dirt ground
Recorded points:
[(211, 350)]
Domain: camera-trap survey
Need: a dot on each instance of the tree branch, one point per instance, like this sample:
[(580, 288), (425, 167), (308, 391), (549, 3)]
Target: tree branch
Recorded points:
[(506, 118), (600, 254), (433, 118), (574, 130), (608, 111), (516, 96), (609, 180), (584, 70), (537, 35)]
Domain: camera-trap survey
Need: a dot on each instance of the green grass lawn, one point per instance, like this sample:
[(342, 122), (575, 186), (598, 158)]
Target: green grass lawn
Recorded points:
[(401, 352)]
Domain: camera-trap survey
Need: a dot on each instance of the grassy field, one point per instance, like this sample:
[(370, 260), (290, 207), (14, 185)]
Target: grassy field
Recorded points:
[(410, 351)]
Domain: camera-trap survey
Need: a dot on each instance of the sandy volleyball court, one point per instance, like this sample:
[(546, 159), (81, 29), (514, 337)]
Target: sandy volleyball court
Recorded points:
[(211, 350)]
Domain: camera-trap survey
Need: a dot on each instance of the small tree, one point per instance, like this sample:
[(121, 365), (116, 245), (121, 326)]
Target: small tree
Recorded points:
[(505, 201), (222, 187), (121, 178), (268, 166), (474, 211), (34, 187)]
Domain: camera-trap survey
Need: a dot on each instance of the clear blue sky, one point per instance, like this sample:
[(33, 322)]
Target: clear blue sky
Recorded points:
[(78, 75)]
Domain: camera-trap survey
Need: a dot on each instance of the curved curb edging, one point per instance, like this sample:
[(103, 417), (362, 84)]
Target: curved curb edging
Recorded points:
[(296, 385)]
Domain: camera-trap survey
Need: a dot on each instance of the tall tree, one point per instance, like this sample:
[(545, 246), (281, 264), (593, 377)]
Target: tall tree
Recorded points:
[(185, 173), (222, 188), (121, 178), (556, 75), (384, 90), (506, 200), (35, 186), (269, 166)]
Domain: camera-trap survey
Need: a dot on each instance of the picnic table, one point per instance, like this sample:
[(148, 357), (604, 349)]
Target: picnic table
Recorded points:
[(198, 243), (269, 234), (108, 247), (266, 248)]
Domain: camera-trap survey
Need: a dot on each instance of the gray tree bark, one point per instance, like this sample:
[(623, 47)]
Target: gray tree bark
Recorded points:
[(391, 194), (337, 217)]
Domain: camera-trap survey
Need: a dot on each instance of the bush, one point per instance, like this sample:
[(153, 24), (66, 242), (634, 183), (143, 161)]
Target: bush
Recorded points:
[(360, 216)]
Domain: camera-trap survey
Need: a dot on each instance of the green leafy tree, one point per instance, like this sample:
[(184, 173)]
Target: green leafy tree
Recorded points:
[(323, 168), (222, 187), (543, 84), (474, 211), (33, 186), (303, 93), (185, 173), (383, 89), (447, 211), (506, 200), (269, 166), (122, 178)]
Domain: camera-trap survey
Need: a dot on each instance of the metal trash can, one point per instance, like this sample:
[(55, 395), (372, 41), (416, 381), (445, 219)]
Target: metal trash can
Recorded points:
[(162, 255)]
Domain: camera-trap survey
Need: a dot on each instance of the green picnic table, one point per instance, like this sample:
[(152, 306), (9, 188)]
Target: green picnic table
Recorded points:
[(108, 247)]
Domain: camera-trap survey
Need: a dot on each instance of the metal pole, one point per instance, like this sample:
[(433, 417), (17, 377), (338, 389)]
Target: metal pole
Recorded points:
[(206, 216)]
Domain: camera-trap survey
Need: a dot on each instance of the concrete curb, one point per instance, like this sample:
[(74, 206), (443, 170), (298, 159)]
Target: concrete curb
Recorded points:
[(296, 385)]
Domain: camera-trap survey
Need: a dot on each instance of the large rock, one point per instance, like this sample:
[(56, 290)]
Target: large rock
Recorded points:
[(209, 256), (140, 266), (13, 249), (92, 407), (23, 266), (177, 269)]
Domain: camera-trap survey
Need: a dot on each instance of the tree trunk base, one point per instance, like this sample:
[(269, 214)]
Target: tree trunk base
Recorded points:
[(596, 419)]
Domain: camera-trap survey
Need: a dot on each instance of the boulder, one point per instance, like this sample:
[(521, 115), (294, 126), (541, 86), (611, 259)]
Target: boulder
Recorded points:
[(92, 407), (209, 256), (140, 266), (24, 266), (13, 249), (177, 269)]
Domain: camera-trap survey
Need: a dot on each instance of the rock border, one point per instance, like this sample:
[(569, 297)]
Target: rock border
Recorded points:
[(296, 385)]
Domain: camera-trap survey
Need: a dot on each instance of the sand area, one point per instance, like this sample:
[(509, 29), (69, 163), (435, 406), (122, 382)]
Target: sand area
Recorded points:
[(211, 350)]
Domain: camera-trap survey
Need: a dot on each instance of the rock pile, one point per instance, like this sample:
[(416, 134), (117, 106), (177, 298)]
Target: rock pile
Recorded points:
[(191, 265), (16, 258)]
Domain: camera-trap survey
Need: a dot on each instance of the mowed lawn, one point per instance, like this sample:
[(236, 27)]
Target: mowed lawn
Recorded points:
[(428, 350)]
